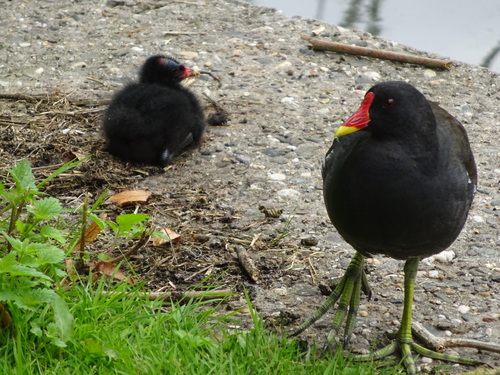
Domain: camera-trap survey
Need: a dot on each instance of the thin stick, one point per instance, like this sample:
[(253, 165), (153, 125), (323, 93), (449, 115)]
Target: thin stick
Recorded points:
[(181, 296), (323, 45), (184, 33), (440, 343), (142, 241)]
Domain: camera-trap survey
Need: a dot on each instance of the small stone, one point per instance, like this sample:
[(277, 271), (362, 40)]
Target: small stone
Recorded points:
[(288, 100), (373, 261), (318, 31), (78, 65), (374, 76), (429, 73), (363, 313), (426, 360), (277, 176), (39, 71), (444, 256), (288, 193), (188, 55), (463, 309), (137, 49), (24, 44), (434, 274), (285, 65), (478, 219)]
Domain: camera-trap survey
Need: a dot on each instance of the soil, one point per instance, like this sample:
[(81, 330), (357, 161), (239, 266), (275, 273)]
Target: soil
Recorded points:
[(60, 65)]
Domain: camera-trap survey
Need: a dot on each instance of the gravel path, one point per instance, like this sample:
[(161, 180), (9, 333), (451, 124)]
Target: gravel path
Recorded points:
[(285, 102)]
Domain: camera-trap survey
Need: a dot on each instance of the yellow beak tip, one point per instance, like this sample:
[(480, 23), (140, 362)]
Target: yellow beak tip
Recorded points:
[(344, 130)]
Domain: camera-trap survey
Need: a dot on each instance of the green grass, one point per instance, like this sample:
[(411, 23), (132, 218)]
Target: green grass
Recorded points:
[(124, 334)]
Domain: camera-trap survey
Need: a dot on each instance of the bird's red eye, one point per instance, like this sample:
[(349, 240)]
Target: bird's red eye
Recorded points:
[(390, 103)]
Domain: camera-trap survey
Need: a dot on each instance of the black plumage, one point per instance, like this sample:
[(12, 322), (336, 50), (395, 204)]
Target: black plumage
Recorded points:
[(153, 120), (398, 180), (404, 184)]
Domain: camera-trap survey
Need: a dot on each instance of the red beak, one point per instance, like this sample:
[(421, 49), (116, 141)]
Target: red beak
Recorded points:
[(359, 119)]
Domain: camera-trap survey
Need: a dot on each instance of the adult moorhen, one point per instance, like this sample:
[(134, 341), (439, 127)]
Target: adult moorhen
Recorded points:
[(398, 180), (153, 120)]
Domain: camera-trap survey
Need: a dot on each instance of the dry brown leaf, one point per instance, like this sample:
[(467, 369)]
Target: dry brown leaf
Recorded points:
[(110, 270), (173, 236), (5, 317), (129, 197), (91, 233)]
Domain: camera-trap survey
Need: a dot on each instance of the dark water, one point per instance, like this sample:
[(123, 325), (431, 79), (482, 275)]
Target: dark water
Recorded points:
[(464, 30)]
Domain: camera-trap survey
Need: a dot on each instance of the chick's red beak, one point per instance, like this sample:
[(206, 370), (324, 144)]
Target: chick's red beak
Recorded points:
[(359, 119), (189, 73)]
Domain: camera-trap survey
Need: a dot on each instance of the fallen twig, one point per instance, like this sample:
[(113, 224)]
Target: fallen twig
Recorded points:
[(247, 263), (323, 45), (184, 33), (54, 97), (440, 343), (142, 241), (181, 296)]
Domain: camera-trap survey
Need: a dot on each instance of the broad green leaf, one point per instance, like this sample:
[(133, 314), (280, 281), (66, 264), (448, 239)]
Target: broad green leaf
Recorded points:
[(7, 295), (23, 176), (47, 253), (127, 221), (63, 318), (14, 242), (20, 270), (35, 329), (50, 232), (46, 208), (7, 262), (54, 334), (29, 299)]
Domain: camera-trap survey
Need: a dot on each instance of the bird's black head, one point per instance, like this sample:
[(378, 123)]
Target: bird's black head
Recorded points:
[(165, 71), (391, 109)]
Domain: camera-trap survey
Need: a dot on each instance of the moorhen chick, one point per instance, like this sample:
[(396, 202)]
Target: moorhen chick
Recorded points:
[(398, 180), (153, 120)]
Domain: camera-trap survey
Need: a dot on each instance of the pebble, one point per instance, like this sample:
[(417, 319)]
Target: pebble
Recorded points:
[(285, 65), (434, 274), (288, 193), (463, 309), (24, 44), (429, 73), (374, 76), (188, 55), (277, 176), (288, 100), (478, 219), (444, 256), (39, 71), (137, 49), (363, 313)]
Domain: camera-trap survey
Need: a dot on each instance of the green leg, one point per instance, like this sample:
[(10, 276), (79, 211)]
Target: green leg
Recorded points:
[(347, 292), (404, 341)]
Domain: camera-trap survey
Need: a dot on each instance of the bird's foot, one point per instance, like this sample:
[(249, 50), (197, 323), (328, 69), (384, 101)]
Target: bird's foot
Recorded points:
[(405, 347), (347, 293)]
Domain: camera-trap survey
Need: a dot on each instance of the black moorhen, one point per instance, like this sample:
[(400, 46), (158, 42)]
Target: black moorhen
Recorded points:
[(153, 120), (398, 180)]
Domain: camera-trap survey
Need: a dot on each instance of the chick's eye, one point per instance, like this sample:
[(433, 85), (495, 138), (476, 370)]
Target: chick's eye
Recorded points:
[(390, 103)]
